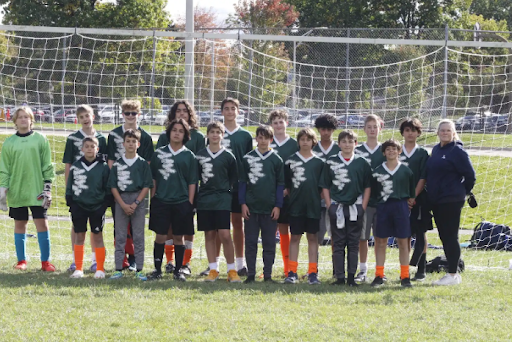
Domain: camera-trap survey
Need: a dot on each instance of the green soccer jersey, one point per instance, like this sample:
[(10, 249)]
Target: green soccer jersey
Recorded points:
[(285, 148), (173, 172), (262, 173), (238, 142), (25, 164), (302, 177), (375, 157), (397, 184), (325, 154), (73, 150), (217, 174), (116, 148), (346, 180), (416, 161), (88, 184), (195, 144), (130, 175)]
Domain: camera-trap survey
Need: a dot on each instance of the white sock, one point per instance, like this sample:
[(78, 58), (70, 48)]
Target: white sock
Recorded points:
[(73, 254), (231, 267), (188, 244), (239, 263), (363, 267), (93, 257), (213, 266)]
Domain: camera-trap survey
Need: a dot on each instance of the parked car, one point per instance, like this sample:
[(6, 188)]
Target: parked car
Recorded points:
[(109, 114), (60, 114), (356, 121), (470, 122)]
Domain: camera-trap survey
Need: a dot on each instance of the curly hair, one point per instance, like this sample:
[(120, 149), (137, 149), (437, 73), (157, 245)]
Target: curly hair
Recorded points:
[(186, 128), (413, 123), (192, 116), (391, 143), (326, 121)]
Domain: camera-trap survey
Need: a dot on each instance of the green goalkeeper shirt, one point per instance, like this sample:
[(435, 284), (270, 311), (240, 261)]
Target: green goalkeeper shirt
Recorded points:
[(397, 184), (195, 144), (217, 174), (73, 150), (325, 154), (238, 142), (88, 184), (25, 164), (285, 148), (130, 175), (375, 157), (416, 161), (116, 148)]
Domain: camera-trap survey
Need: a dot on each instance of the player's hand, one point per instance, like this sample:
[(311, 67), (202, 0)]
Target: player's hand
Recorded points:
[(127, 209), (133, 206), (46, 195), (411, 202), (285, 192), (364, 206), (3, 198), (245, 211), (275, 213)]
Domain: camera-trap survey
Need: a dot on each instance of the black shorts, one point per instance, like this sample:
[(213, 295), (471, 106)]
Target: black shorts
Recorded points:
[(21, 214), (80, 216), (235, 206), (284, 217), (208, 220), (180, 216), (393, 219), (301, 225)]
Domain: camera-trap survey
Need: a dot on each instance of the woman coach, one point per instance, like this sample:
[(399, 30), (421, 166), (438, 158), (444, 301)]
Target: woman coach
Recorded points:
[(450, 177)]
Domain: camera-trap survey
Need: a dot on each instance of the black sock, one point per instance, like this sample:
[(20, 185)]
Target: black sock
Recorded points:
[(179, 253), (350, 279), (158, 255), (422, 263)]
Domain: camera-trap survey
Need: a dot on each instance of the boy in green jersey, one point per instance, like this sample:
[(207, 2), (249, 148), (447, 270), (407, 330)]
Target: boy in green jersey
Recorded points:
[(174, 171), (346, 187), (86, 193), (261, 198), (218, 172), (130, 181), (285, 146), (182, 110), (394, 187), (303, 171), (26, 175), (73, 152), (370, 150)]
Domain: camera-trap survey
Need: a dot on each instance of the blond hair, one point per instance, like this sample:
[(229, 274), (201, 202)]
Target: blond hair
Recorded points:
[(452, 126), (25, 109), (131, 104), (84, 109), (372, 117)]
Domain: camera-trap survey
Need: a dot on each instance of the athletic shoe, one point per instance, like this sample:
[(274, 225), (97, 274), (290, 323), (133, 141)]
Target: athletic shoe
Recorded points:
[(179, 277), (242, 272), (93, 267), (169, 268), (72, 267), (378, 281), (406, 282), (139, 275), (352, 283), (313, 279), (185, 270), (250, 279), (233, 277), (205, 273), (46, 266), (155, 275), (339, 281), (212, 276), (77, 274), (419, 277), (117, 275), (292, 278), (21, 265), (99, 275), (269, 280), (385, 279), (448, 280), (360, 277)]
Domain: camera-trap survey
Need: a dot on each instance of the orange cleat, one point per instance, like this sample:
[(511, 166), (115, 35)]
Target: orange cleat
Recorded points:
[(21, 265), (46, 266)]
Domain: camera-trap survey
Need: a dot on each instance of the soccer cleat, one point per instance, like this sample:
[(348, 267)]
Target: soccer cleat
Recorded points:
[(77, 274), (233, 277), (99, 275), (360, 277), (313, 279), (169, 268), (185, 270), (406, 282), (212, 276), (46, 266), (378, 281), (155, 275), (419, 277), (93, 267), (179, 277), (117, 275), (205, 272), (72, 267), (21, 265), (339, 281), (269, 280), (448, 280), (242, 272), (292, 278), (351, 280), (139, 275), (250, 279)]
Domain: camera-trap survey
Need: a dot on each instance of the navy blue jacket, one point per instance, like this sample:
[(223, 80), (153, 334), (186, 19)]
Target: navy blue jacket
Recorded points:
[(450, 174)]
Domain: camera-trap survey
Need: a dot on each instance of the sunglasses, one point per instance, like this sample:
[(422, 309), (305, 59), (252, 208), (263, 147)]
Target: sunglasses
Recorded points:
[(131, 113)]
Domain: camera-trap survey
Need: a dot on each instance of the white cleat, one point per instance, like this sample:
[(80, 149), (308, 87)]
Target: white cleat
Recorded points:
[(99, 275), (448, 280), (77, 274)]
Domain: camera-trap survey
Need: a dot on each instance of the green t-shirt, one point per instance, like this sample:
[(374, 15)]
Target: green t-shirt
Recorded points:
[(130, 175), (262, 173), (195, 144), (25, 164), (73, 150), (324, 154), (238, 142), (302, 178), (375, 157), (217, 174), (397, 184), (416, 161), (173, 172), (285, 148), (116, 148), (346, 180), (88, 185)]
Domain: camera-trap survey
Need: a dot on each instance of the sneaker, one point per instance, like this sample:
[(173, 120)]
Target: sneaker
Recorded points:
[(93, 267), (292, 278), (339, 281), (185, 270), (169, 268), (242, 272), (269, 280), (212, 276), (205, 273), (179, 277), (360, 277), (117, 275), (250, 279), (99, 275), (72, 267), (155, 275), (313, 279), (352, 283), (448, 280), (77, 274), (46, 266), (406, 282), (378, 281), (21, 265), (233, 277), (419, 277), (141, 276)]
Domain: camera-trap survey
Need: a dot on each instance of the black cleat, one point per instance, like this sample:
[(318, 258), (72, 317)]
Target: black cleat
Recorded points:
[(242, 272), (179, 277), (250, 279), (419, 277), (339, 281), (406, 282), (378, 281), (169, 268), (155, 275)]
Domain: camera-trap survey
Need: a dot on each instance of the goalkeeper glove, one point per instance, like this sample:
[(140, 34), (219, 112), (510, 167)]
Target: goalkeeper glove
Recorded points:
[(46, 195), (3, 199)]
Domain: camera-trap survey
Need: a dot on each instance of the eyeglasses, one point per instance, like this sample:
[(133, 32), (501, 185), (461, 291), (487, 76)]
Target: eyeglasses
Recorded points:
[(131, 113)]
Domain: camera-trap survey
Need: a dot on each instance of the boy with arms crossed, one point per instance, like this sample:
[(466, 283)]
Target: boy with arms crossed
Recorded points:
[(346, 187), (86, 192)]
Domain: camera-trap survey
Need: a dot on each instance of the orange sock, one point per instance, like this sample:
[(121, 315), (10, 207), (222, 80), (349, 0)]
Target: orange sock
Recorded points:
[(100, 258), (285, 251), (293, 266), (187, 256), (379, 271), (313, 268), (79, 257), (404, 271), (169, 253)]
